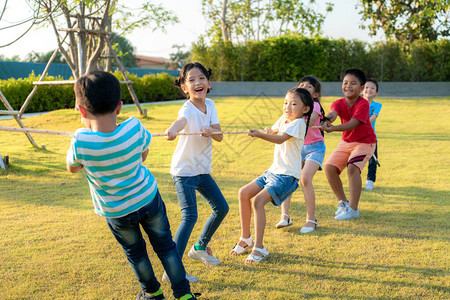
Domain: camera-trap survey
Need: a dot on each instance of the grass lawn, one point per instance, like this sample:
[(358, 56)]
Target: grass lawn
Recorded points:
[(53, 246)]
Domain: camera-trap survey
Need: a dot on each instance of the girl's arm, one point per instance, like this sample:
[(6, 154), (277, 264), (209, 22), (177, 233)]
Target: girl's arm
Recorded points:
[(207, 132), (176, 127), (313, 119), (273, 138)]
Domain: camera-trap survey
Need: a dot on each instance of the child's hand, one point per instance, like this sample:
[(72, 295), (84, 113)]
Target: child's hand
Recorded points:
[(206, 131), (268, 130), (170, 135), (326, 126), (253, 132)]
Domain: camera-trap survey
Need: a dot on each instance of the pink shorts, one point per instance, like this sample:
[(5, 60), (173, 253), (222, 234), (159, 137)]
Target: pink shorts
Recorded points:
[(350, 153)]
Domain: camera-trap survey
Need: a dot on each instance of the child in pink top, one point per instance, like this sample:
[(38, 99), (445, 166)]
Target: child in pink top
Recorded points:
[(313, 153)]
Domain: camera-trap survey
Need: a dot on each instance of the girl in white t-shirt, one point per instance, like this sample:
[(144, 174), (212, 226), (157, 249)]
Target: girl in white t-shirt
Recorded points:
[(281, 179), (191, 163)]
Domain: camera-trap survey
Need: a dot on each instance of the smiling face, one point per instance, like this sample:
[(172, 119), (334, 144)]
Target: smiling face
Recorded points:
[(310, 88), (351, 87), (196, 84), (370, 90), (294, 107)]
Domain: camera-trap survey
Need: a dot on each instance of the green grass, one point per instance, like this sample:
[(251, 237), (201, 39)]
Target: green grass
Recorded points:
[(53, 246)]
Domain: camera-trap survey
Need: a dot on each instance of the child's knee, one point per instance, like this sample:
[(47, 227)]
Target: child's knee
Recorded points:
[(258, 203), (330, 169)]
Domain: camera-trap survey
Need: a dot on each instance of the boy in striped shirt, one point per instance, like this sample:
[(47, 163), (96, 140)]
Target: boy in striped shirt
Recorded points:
[(122, 189)]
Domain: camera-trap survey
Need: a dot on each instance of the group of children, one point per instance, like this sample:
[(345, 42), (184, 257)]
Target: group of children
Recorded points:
[(126, 193)]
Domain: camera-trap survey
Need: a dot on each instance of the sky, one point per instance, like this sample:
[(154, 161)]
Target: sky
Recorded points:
[(342, 22)]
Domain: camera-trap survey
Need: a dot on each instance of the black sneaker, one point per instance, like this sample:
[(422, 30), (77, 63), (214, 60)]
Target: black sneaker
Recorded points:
[(144, 296)]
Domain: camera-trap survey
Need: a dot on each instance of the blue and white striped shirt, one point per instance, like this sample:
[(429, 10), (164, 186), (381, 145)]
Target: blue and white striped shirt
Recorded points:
[(118, 181)]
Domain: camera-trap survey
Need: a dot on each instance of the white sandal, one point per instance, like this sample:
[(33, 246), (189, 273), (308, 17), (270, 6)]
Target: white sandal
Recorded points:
[(238, 249), (252, 258), (284, 223), (307, 229)]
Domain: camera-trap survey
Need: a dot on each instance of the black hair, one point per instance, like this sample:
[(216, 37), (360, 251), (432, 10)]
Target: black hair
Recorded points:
[(374, 81), (189, 66), (98, 92), (358, 74), (307, 100), (318, 88)]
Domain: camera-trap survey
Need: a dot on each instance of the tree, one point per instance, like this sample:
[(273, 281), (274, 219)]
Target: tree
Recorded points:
[(124, 50), (80, 25), (44, 57), (234, 20), (178, 59), (407, 20)]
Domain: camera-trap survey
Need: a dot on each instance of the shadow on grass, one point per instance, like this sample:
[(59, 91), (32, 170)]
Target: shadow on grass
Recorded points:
[(347, 268)]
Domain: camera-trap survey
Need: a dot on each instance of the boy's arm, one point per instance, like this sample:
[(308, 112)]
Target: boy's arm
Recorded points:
[(144, 155), (331, 116), (342, 127), (373, 117), (176, 127), (273, 138), (74, 169)]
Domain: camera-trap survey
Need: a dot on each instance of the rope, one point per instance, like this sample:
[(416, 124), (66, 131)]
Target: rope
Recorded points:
[(65, 133)]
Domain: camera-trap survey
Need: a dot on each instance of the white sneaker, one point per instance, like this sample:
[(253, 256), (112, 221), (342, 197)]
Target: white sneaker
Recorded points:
[(190, 278), (348, 213), (204, 257), (341, 206), (369, 185)]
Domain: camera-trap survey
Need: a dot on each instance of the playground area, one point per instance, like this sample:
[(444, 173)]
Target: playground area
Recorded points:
[(54, 246)]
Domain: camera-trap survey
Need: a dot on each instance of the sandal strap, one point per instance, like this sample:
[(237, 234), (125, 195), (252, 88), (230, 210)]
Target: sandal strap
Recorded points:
[(287, 216), (248, 241), (263, 250), (314, 222)]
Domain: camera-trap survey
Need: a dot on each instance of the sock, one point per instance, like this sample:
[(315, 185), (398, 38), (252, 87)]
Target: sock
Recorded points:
[(157, 293), (187, 296), (197, 246)]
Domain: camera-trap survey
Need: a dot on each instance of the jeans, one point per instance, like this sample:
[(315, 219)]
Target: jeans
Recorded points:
[(372, 169), (153, 219), (207, 187)]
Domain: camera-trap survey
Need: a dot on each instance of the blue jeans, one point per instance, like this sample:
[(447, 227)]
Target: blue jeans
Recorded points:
[(153, 219), (207, 187)]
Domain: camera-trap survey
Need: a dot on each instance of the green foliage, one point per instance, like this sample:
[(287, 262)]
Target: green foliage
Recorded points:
[(124, 50), (289, 57), (148, 88), (44, 57), (407, 21), (233, 20)]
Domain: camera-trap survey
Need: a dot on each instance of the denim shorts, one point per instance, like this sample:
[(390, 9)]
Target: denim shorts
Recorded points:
[(314, 152), (279, 186)]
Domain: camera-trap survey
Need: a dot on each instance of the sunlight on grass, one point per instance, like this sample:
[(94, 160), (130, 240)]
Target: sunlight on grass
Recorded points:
[(54, 246)]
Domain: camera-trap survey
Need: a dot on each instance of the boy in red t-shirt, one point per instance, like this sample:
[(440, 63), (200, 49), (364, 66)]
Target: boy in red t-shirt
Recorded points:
[(356, 146)]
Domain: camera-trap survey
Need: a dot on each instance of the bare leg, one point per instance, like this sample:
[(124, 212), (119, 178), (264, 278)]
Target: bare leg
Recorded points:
[(335, 181), (354, 179), (285, 208), (258, 204), (310, 168), (245, 209)]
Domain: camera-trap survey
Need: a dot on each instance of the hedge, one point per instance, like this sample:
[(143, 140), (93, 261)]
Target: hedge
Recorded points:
[(288, 58), (148, 88)]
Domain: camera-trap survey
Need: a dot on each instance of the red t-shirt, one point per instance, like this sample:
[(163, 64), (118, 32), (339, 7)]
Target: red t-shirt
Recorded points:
[(363, 133)]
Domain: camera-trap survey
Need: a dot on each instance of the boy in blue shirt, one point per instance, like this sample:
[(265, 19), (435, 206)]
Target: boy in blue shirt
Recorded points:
[(370, 92), (122, 189)]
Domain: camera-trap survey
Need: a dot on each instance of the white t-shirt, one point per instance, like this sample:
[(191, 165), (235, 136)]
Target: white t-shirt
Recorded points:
[(193, 154), (287, 158)]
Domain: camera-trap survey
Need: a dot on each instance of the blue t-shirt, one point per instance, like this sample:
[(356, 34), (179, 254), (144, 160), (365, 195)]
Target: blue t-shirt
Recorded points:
[(112, 162), (374, 108)]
